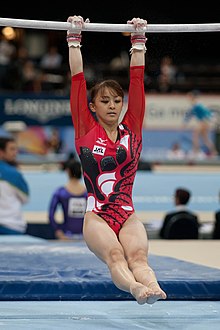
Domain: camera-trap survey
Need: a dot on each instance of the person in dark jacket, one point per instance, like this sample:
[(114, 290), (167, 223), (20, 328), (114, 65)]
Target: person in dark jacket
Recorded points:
[(181, 199)]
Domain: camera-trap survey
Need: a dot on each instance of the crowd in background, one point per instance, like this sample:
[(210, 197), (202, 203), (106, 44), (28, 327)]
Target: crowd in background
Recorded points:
[(20, 72)]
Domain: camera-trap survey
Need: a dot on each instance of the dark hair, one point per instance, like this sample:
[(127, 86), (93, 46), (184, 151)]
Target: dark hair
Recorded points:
[(4, 140), (183, 195), (74, 168), (111, 84)]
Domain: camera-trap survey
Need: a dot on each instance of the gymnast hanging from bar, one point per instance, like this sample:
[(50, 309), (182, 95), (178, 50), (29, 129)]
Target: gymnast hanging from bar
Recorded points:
[(109, 152)]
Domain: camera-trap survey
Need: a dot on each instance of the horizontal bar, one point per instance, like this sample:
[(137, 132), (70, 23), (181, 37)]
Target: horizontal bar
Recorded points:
[(100, 27)]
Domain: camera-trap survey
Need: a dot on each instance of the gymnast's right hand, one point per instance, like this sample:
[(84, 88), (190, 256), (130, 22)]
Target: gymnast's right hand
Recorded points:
[(77, 22), (74, 33)]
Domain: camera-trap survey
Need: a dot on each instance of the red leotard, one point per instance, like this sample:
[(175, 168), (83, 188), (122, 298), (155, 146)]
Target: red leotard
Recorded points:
[(109, 167)]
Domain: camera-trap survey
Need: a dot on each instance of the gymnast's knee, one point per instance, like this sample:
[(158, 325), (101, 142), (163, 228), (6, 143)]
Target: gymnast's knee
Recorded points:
[(115, 256), (137, 258)]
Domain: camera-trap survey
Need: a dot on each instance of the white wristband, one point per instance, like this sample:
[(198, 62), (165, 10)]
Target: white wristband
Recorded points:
[(138, 47), (74, 44)]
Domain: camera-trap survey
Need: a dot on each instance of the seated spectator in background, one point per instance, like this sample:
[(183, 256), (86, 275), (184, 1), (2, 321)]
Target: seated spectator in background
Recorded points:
[(52, 59), (181, 199), (30, 77), (72, 199), (167, 75), (216, 231), (53, 72), (22, 73), (14, 190), (176, 152), (7, 51), (54, 144)]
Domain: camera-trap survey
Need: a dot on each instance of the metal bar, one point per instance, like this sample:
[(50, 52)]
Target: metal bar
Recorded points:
[(101, 27)]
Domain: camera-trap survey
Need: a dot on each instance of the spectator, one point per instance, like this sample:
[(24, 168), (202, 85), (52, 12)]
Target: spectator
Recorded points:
[(167, 75), (176, 152), (216, 230), (31, 77), (14, 190), (72, 198), (181, 199), (7, 51), (54, 144), (14, 76), (52, 59)]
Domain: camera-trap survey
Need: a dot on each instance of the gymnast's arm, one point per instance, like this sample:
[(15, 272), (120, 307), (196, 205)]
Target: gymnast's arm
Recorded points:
[(74, 43), (54, 202), (136, 97), (81, 116)]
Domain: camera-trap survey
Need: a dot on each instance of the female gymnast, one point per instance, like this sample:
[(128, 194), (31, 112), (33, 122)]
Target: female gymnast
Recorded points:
[(109, 151), (203, 116)]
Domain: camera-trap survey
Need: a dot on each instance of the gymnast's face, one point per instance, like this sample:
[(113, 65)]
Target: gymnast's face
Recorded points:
[(107, 106)]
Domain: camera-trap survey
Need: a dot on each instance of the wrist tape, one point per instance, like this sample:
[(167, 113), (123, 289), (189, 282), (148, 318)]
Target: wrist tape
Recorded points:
[(74, 39), (138, 41)]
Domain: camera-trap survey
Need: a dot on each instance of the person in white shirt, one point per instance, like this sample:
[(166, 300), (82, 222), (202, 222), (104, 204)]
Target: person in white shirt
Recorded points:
[(52, 59)]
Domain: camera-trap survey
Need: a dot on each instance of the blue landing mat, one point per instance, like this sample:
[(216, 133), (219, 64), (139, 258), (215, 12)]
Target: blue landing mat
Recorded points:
[(44, 270), (108, 315)]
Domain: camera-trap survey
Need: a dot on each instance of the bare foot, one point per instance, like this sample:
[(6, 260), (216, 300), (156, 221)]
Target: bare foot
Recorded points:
[(153, 285), (141, 293), (157, 293)]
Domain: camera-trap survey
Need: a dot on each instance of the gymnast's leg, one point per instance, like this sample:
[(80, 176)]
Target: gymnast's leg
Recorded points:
[(133, 238), (103, 242), (204, 132), (195, 138)]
